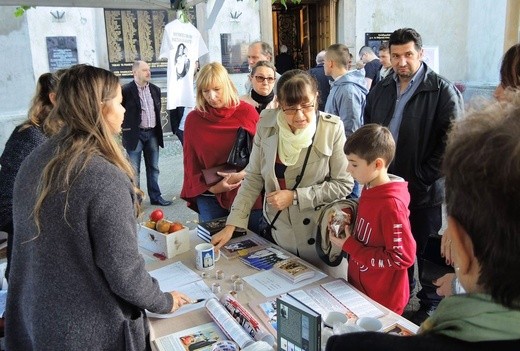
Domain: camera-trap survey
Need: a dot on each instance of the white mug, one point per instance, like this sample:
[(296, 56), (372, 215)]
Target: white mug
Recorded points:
[(369, 324), (205, 256)]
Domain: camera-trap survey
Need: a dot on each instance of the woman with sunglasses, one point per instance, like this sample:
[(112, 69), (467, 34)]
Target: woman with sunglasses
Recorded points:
[(285, 137), (262, 80)]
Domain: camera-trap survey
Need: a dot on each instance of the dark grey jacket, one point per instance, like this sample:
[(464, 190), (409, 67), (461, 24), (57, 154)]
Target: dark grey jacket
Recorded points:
[(132, 104), (422, 135), (81, 283)]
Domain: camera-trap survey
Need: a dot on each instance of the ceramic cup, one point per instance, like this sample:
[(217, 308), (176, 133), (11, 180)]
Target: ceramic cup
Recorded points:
[(369, 324), (225, 345), (205, 256), (334, 317)]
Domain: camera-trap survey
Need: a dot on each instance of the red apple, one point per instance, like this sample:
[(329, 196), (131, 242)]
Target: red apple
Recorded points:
[(156, 215)]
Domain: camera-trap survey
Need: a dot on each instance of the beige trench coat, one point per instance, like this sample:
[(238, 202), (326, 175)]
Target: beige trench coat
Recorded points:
[(326, 179)]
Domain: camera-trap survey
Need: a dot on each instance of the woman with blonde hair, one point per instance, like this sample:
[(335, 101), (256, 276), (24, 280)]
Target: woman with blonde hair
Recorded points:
[(77, 278), (23, 140), (209, 134)]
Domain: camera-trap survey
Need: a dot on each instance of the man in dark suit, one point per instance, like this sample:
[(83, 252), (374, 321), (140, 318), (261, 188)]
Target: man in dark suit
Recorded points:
[(142, 130), (324, 81)]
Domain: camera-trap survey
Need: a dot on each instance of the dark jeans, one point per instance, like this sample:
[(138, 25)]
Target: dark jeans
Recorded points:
[(424, 221), (209, 209), (148, 145)]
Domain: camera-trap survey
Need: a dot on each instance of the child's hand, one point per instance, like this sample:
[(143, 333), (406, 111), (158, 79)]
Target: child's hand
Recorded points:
[(337, 241)]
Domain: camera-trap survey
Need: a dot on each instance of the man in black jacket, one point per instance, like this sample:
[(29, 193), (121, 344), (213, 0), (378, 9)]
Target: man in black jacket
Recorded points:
[(418, 106), (142, 130)]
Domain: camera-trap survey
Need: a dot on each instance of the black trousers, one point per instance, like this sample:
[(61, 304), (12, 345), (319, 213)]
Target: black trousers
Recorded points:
[(424, 221), (175, 119)]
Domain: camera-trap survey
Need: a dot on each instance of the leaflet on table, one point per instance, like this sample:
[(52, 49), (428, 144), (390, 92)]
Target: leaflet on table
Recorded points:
[(178, 277), (321, 301), (269, 283), (352, 299), (197, 291), (242, 246), (199, 338), (174, 275)]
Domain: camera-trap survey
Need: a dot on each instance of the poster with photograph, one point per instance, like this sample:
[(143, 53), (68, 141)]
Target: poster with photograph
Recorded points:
[(233, 48), (374, 40)]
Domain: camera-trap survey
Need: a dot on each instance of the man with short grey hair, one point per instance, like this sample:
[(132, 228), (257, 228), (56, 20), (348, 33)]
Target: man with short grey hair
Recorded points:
[(323, 80), (258, 51)]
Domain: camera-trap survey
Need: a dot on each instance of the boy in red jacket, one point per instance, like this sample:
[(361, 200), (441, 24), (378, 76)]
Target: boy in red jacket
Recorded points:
[(382, 246)]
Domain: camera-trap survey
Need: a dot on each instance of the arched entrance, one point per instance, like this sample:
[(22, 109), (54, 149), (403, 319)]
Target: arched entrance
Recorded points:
[(305, 29)]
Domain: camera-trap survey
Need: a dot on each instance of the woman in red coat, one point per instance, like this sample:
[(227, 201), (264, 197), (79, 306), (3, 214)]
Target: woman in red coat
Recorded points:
[(209, 134)]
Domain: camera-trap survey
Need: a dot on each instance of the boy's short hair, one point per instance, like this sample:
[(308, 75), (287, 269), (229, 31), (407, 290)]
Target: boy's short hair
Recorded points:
[(371, 141), (482, 170)]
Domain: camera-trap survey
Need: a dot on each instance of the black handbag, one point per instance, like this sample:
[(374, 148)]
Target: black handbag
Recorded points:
[(241, 150)]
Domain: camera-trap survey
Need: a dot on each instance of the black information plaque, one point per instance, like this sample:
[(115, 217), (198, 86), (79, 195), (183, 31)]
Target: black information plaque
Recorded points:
[(62, 52), (374, 40)]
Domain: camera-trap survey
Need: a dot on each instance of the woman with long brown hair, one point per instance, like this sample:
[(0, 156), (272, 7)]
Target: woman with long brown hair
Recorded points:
[(77, 278), (23, 140)]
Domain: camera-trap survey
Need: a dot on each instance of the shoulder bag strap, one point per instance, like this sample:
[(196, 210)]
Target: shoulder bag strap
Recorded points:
[(299, 176)]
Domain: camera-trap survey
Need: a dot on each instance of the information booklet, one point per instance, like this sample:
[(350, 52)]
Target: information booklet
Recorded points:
[(199, 338), (293, 269), (264, 257), (205, 230), (241, 246), (236, 322), (298, 326)]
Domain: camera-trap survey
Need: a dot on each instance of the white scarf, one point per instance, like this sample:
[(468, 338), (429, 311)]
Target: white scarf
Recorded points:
[(290, 144)]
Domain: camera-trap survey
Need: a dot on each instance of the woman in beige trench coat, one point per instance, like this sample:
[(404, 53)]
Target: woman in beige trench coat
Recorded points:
[(280, 146)]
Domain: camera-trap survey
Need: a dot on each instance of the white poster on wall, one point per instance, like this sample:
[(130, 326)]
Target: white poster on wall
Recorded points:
[(431, 57)]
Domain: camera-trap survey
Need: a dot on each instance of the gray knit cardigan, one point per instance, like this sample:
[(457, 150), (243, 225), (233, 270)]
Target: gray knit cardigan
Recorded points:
[(80, 284)]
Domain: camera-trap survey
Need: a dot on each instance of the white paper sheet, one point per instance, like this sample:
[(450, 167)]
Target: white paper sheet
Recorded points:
[(178, 277), (353, 300), (270, 284)]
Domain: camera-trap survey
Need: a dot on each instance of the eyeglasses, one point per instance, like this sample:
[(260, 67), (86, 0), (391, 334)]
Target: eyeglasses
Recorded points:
[(291, 111), (261, 79)]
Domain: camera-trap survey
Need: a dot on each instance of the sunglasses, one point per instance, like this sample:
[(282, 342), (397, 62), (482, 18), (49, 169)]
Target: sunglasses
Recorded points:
[(261, 79)]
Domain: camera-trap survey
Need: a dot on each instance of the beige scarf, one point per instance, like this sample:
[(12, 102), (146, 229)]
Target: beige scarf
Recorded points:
[(290, 144)]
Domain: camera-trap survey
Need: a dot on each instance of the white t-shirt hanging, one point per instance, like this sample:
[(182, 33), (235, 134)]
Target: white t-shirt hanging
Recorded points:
[(182, 45)]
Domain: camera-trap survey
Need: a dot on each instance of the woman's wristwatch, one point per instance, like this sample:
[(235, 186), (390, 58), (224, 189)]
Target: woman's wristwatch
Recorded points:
[(295, 198)]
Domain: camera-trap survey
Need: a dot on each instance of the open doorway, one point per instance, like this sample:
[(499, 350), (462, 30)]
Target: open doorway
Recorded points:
[(305, 29)]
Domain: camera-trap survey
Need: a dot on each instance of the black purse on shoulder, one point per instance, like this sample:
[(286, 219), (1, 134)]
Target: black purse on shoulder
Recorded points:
[(241, 150)]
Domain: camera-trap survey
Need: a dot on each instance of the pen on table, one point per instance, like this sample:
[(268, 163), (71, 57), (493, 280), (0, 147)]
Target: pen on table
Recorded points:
[(197, 301)]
